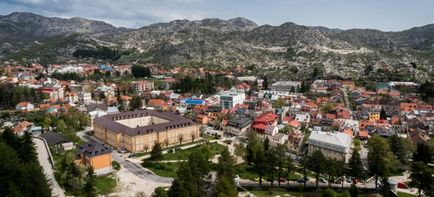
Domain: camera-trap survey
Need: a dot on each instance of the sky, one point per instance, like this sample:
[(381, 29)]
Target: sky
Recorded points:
[(386, 15)]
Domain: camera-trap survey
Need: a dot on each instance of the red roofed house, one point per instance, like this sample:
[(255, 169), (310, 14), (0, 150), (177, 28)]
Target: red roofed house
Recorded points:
[(24, 106), (157, 103), (260, 123)]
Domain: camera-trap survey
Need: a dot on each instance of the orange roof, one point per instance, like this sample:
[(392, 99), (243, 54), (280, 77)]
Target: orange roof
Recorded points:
[(156, 102), (348, 132), (363, 134), (294, 123), (331, 116), (23, 104)]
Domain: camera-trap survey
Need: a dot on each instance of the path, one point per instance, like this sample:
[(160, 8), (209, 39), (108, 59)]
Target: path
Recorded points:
[(44, 161)]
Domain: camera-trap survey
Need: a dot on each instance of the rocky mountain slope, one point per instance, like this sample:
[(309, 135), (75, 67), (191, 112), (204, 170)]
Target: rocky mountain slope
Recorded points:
[(238, 41)]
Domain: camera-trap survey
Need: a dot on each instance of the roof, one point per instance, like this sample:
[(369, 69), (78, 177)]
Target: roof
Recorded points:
[(54, 138), (341, 140), (174, 121), (93, 148)]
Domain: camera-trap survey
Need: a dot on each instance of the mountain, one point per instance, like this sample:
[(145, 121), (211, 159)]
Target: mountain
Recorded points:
[(303, 50)]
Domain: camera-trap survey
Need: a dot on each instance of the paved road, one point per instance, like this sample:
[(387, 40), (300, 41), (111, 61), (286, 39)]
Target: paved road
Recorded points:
[(135, 168), (46, 165)]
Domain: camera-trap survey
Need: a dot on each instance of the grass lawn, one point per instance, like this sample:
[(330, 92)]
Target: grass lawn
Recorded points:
[(183, 154), (208, 137), (163, 169), (105, 184), (402, 194), (260, 193), (249, 172)]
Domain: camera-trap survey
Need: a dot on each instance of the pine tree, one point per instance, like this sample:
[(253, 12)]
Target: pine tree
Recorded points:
[(156, 152), (383, 115), (421, 176), (225, 188), (89, 189), (355, 166), (28, 152), (316, 163), (225, 165), (423, 153), (380, 158)]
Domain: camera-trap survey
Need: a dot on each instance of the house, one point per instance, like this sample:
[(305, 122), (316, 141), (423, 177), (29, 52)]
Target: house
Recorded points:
[(279, 138), (237, 125), (95, 155), (262, 121), (22, 127), (85, 97), (58, 140), (332, 144), (303, 117), (157, 103), (24, 107)]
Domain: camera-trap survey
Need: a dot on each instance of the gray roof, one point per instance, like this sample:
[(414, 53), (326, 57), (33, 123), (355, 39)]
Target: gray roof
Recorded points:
[(54, 138), (109, 121), (330, 140), (93, 148)]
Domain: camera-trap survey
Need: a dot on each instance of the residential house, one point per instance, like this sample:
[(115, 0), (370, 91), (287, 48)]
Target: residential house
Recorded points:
[(24, 107), (58, 140)]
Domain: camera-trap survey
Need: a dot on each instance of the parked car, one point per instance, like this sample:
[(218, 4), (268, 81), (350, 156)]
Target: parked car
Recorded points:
[(131, 155), (402, 185), (122, 150)]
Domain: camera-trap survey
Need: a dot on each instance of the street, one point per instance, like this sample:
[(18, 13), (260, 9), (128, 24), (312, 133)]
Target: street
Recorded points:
[(44, 161)]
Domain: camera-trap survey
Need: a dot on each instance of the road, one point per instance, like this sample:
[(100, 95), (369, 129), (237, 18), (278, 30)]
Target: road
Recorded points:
[(244, 182), (133, 167), (45, 162)]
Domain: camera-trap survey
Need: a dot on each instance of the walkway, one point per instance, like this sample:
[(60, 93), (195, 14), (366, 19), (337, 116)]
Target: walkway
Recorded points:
[(44, 161)]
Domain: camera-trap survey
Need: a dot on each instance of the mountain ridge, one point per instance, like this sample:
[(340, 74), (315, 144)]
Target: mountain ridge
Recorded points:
[(213, 41)]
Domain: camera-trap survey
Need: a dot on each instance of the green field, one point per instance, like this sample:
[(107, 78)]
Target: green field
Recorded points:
[(163, 169), (402, 194), (105, 184), (183, 154)]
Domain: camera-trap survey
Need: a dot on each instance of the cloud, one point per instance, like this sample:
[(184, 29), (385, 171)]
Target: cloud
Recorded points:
[(127, 13)]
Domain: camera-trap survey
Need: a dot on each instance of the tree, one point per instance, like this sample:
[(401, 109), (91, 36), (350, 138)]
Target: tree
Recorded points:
[(328, 193), (280, 102), (282, 161), (383, 115), (354, 192), (180, 138), (225, 188), (260, 162), (270, 160), (316, 163), (380, 158), (225, 165), (266, 145), (265, 83), (355, 166), (28, 152), (136, 103), (385, 188), (156, 152), (423, 153), (177, 189), (89, 189), (159, 192), (421, 176), (334, 169), (140, 71), (397, 147)]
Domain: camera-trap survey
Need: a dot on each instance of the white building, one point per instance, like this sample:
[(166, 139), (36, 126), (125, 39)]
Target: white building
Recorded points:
[(230, 99), (286, 86), (332, 144), (85, 97), (24, 106), (142, 86)]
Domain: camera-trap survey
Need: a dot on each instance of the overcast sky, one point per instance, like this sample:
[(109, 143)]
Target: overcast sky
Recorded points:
[(388, 15)]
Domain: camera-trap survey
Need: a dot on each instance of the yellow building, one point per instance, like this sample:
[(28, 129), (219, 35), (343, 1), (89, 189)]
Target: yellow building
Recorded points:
[(373, 116), (139, 130), (97, 156)]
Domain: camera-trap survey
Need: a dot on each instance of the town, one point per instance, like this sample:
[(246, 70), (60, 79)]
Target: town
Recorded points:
[(153, 130)]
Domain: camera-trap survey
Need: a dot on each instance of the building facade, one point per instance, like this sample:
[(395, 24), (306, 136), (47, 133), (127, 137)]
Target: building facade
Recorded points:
[(332, 144), (286, 86), (138, 131), (230, 99)]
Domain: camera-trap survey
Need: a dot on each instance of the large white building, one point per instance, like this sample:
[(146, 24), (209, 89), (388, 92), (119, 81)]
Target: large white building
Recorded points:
[(332, 144), (230, 99), (286, 86)]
